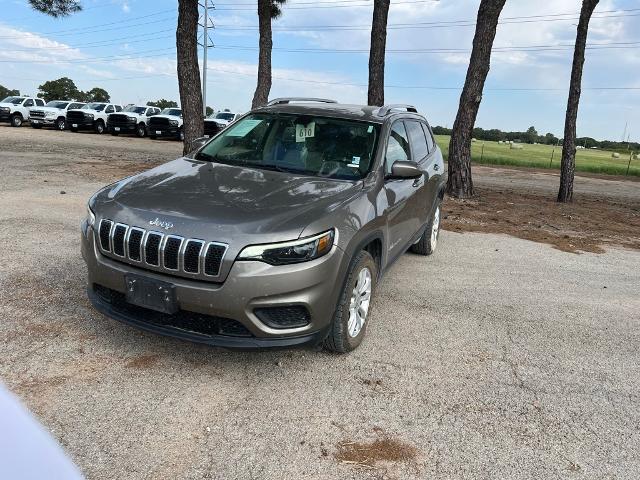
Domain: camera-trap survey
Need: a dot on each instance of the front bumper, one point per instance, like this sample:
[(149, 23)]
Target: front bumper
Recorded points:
[(113, 127), (172, 132), (313, 285), (47, 122), (80, 124), (5, 117)]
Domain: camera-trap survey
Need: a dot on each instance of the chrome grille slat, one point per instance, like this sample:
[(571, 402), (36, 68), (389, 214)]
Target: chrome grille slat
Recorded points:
[(192, 257)]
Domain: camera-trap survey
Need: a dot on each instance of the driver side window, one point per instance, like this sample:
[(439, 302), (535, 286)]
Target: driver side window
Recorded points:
[(397, 147)]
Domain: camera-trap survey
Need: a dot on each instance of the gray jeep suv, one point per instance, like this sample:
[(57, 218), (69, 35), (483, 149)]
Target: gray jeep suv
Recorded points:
[(273, 233)]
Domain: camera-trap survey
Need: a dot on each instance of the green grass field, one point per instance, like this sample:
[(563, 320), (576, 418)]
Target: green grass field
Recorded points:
[(539, 156)]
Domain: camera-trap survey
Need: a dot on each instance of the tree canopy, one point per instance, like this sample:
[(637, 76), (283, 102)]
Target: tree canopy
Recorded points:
[(162, 104), (61, 89), (6, 92)]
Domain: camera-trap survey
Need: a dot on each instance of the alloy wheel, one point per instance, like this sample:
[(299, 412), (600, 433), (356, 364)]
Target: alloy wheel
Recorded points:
[(359, 304)]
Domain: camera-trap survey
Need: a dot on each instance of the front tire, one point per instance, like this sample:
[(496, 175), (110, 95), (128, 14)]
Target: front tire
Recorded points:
[(61, 124), (141, 131), (181, 135), (16, 120), (99, 127), (350, 319), (429, 239)]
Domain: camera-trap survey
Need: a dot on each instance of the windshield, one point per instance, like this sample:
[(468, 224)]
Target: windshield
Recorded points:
[(14, 100), (94, 106), (305, 144), (57, 104), (176, 112), (135, 109), (223, 116)]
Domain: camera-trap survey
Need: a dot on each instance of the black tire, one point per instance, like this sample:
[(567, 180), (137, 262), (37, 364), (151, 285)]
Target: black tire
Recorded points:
[(61, 124), (181, 135), (429, 241), (141, 131), (99, 127), (16, 120), (339, 339)]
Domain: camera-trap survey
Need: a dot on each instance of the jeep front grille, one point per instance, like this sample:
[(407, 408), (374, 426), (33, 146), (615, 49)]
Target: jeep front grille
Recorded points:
[(158, 251)]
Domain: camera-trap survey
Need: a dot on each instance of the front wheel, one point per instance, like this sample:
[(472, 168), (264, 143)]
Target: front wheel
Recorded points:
[(141, 131), (181, 136), (350, 319), (16, 120), (61, 124), (429, 239), (99, 127)]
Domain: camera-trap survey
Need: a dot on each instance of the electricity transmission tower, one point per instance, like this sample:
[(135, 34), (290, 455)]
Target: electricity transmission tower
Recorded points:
[(205, 41)]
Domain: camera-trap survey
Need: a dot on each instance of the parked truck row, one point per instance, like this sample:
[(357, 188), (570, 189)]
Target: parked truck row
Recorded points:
[(101, 117)]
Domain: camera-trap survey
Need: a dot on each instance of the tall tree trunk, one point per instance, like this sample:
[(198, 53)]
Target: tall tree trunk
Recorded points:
[(261, 95), (377, 52), (189, 72), (568, 165), (459, 182)]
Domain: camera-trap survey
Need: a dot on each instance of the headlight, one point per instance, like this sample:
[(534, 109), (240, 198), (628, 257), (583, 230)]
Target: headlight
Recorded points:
[(89, 115), (296, 251), (50, 114), (173, 123), (131, 119), (5, 109), (91, 217)]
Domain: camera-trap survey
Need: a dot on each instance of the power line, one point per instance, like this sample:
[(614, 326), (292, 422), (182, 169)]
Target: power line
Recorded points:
[(438, 24)]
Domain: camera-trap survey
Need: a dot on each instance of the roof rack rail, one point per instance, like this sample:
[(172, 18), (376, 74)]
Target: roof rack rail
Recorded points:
[(284, 100), (387, 109)]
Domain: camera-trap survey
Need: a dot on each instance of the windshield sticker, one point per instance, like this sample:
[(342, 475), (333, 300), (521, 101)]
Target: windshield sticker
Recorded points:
[(305, 131), (355, 161), (370, 129), (243, 128)]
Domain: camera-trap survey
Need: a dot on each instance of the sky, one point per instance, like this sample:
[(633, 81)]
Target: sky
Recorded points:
[(321, 50)]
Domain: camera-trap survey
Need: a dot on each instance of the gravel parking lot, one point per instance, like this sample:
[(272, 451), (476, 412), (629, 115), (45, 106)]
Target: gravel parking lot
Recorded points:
[(495, 358)]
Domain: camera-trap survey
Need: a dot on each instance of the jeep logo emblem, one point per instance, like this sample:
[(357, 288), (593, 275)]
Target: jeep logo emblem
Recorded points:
[(159, 223)]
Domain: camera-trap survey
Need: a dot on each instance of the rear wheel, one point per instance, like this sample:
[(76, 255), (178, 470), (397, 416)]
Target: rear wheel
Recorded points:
[(99, 127), (61, 123), (350, 319), (429, 239), (16, 120)]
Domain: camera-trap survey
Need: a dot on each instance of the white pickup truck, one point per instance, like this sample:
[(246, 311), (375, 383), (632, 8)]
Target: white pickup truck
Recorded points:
[(133, 119), (15, 109), (167, 124), (218, 121), (53, 114), (92, 116)]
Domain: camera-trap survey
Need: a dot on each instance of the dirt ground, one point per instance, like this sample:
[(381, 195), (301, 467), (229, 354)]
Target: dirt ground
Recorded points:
[(496, 357)]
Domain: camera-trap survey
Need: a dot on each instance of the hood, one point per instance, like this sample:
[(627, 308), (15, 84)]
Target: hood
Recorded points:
[(217, 202), (47, 109), (170, 117), (85, 110), (11, 105)]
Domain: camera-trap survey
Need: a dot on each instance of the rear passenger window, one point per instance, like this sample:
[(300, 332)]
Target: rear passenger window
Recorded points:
[(118, 108), (417, 139), (28, 103), (39, 102), (398, 146), (430, 143), (109, 109)]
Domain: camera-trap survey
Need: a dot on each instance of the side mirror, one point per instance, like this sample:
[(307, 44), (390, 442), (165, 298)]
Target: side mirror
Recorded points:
[(405, 170), (200, 142)]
